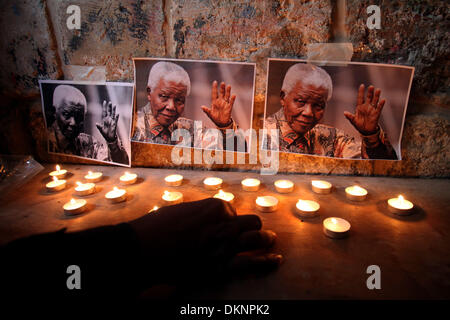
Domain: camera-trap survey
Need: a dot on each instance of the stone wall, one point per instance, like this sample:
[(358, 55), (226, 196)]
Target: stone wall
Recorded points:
[(36, 44)]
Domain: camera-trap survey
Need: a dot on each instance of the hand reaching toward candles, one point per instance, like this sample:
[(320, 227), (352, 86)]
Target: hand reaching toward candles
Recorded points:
[(202, 238), (221, 105)]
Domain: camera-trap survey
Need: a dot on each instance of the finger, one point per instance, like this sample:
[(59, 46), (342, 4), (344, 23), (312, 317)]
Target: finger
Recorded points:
[(360, 99), (350, 117), (117, 118), (109, 109), (369, 94), (233, 97), (104, 109), (247, 222), (206, 110), (256, 239), (227, 93), (99, 127), (381, 105), (222, 90), (246, 263), (214, 90), (113, 112), (376, 97)]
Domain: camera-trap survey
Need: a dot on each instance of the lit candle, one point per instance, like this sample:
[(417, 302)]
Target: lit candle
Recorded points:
[(321, 187), (93, 176), (307, 208), (226, 196), (116, 195), (174, 180), (75, 206), (153, 209), (58, 173), (400, 206), (171, 198), (55, 185), (284, 186), (355, 193), (212, 183), (84, 189), (336, 227), (266, 203), (250, 184), (128, 178)]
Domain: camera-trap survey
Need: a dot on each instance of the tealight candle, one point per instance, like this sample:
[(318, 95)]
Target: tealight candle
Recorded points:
[(266, 203), (400, 206), (321, 187), (58, 173), (336, 227), (284, 186), (128, 178), (116, 195), (56, 184), (93, 176), (307, 208), (226, 196), (84, 189), (75, 206), (250, 184), (174, 180), (171, 198), (212, 183), (355, 193)]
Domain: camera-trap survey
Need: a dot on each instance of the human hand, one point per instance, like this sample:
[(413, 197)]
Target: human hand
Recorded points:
[(193, 240), (221, 105), (367, 112), (108, 126)]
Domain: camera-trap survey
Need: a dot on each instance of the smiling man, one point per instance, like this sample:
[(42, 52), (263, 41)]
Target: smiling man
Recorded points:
[(66, 134), (167, 88), (304, 95)]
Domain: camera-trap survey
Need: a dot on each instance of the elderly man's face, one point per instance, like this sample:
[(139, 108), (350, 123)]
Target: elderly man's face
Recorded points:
[(70, 118), (304, 106), (167, 101)]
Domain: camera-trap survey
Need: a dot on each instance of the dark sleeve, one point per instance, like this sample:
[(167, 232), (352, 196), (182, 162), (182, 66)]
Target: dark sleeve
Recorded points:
[(108, 257), (117, 152), (377, 146)]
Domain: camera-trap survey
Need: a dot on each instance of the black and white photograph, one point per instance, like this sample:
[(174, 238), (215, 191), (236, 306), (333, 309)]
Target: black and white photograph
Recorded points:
[(346, 110), (89, 120), (194, 96)]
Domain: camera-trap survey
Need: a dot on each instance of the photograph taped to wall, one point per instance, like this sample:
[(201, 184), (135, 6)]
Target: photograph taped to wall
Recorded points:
[(212, 102), (344, 110), (89, 120)]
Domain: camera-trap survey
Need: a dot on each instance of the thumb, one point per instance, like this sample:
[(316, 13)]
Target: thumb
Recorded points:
[(349, 116), (207, 111), (99, 127)]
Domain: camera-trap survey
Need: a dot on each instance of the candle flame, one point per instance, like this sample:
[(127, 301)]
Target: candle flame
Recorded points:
[(127, 173), (55, 178), (72, 201), (90, 173), (166, 193), (260, 199), (58, 168), (115, 189), (78, 183), (221, 193), (400, 197), (333, 220)]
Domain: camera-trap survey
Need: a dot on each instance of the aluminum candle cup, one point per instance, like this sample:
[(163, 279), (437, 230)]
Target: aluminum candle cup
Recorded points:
[(174, 180), (212, 183), (116, 195), (226, 196), (336, 228), (356, 193), (250, 184), (266, 203), (55, 185), (58, 173), (307, 208), (93, 176), (75, 206), (84, 189), (128, 178), (171, 198), (284, 186), (400, 206), (321, 187)]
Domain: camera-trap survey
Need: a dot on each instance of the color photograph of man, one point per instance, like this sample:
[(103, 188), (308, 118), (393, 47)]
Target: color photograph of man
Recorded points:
[(168, 88), (304, 99), (66, 119)]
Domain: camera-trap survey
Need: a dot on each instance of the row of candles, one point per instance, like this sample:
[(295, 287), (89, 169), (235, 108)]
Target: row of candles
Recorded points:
[(333, 227)]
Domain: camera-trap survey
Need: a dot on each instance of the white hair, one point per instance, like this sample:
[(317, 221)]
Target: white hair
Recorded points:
[(65, 93), (308, 74), (168, 71)]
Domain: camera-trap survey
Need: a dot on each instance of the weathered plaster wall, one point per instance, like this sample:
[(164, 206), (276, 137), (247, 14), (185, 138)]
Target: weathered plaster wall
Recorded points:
[(36, 44)]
